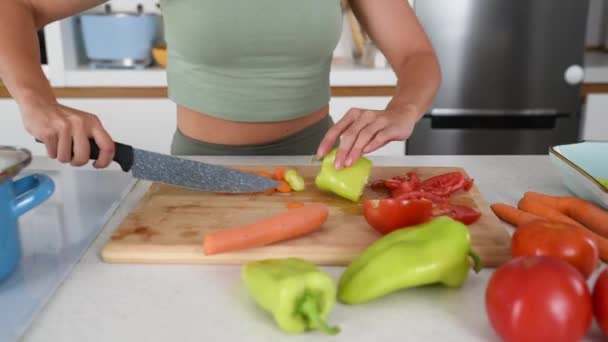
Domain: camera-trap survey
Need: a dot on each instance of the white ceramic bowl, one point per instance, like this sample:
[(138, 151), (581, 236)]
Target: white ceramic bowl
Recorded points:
[(580, 165)]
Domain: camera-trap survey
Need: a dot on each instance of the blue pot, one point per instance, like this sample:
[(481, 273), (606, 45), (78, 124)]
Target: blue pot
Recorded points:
[(120, 39), (16, 198)]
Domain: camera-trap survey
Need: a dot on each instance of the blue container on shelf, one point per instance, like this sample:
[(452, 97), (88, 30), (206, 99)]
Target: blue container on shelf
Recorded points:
[(121, 39)]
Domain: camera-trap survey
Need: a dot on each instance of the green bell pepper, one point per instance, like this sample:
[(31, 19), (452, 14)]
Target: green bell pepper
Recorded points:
[(296, 292), (434, 252), (295, 181), (347, 182)]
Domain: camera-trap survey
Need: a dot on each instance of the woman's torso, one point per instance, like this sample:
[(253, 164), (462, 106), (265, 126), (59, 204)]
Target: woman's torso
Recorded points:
[(245, 72)]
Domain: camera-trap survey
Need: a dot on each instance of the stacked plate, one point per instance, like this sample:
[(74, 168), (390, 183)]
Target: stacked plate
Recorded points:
[(583, 168)]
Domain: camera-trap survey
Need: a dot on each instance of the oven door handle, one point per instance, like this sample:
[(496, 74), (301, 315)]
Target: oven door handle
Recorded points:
[(467, 121), (493, 112)]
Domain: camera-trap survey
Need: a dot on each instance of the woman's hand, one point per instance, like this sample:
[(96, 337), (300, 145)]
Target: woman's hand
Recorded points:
[(363, 131), (65, 132)]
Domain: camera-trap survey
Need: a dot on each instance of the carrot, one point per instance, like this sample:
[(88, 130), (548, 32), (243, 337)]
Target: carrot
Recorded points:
[(287, 225), (537, 208), (260, 173), (284, 187), (279, 173), (544, 199), (513, 215), (293, 205), (584, 212)]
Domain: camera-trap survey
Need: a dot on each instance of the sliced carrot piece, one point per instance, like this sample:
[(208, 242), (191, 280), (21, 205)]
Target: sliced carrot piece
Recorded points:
[(279, 173), (287, 225), (261, 173), (284, 187)]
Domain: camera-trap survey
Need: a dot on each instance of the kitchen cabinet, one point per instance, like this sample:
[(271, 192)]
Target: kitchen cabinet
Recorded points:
[(149, 123)]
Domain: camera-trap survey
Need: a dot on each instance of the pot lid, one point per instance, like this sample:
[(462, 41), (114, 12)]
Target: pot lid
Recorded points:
[(12, 160)]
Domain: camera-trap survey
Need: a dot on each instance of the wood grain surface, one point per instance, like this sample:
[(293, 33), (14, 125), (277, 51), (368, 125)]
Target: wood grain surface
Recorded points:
[(169, 223)]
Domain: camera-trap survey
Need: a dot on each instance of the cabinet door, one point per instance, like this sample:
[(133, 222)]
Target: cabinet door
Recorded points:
[(340, 105), (595, 120)]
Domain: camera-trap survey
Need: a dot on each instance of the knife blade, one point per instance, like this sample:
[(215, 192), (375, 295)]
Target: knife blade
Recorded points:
[(182, 172)]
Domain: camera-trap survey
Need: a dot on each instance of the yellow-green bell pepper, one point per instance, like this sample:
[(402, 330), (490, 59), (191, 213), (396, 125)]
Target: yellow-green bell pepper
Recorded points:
[(434, 252), (295, 180), (296, 292), (348, 182)]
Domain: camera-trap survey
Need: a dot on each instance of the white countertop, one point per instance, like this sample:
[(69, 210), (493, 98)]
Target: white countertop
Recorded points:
[(109, 302)]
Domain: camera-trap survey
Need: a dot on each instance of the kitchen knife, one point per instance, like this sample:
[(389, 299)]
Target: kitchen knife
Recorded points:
[(182, 172)]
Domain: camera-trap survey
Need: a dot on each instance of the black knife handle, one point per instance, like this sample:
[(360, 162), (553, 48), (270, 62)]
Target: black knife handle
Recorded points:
[(123, 154)]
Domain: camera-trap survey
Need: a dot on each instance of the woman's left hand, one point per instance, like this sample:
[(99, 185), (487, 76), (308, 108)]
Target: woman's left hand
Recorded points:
[(363, 131)]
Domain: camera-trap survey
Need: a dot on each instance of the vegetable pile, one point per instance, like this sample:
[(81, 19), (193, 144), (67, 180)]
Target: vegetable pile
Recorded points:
[(425, 241), (581, 215), (290, 180), (558, 243)]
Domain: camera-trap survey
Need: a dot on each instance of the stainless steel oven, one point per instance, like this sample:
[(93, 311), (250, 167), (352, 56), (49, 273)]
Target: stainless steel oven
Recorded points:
[(511, 76)]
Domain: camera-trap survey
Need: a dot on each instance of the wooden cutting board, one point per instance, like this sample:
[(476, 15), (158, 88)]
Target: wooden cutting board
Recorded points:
[(168, 224)]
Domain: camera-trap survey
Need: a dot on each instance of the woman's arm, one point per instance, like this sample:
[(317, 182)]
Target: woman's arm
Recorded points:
[(57, 126), (394, 28)]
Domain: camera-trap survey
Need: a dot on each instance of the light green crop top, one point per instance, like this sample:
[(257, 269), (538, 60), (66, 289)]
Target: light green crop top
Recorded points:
[(251, 60)]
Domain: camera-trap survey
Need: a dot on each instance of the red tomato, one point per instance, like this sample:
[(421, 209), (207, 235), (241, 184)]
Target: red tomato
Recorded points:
[(388, 214), (539, 298), (414, 195), (400, 185), (600, 301), (558, 240), (446, 184), (463, 213)]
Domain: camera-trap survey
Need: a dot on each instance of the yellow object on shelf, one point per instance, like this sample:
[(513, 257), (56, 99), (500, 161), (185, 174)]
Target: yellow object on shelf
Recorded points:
[(160, 55)]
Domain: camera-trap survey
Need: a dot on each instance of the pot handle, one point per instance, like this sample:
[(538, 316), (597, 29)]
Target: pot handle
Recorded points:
[(31, 191)]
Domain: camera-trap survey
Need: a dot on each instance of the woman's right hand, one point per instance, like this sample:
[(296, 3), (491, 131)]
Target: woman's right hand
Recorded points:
[(66, 131)]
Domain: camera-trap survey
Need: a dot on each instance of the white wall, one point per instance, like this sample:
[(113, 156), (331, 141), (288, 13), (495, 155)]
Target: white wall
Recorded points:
[(596, 24), (595, 120)]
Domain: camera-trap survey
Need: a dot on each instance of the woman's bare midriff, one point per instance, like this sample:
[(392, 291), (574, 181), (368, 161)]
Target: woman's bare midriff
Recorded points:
[(203, 127)]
